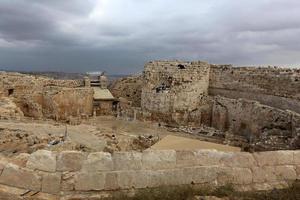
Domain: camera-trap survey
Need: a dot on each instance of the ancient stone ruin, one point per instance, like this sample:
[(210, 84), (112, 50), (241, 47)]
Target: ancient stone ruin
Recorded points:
[(89, 138)]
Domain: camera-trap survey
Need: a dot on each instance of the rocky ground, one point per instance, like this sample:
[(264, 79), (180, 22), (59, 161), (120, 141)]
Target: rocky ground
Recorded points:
[(95, 134)]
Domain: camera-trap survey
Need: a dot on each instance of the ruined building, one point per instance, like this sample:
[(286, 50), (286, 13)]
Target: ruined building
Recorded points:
[(258, 104), (103, 101), (238, 106), (255, 105), (174, 88)]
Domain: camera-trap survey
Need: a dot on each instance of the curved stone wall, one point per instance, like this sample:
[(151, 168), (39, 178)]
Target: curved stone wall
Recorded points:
[(276, 87), (69, 173)]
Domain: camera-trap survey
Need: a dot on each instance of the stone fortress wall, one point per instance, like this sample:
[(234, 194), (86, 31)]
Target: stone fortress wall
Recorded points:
[(174, 86), (260, 104), (276, 87), (174, 92), (257, 102), (40, 97), (72, 173)]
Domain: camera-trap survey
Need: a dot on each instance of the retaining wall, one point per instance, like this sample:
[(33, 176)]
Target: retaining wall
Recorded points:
[(71, 172)]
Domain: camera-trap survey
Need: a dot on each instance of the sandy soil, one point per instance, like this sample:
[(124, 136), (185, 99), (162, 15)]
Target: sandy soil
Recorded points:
[(182, 143)]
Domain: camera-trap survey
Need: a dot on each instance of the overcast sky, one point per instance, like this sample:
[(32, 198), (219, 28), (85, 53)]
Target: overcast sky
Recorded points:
[(119, 36)]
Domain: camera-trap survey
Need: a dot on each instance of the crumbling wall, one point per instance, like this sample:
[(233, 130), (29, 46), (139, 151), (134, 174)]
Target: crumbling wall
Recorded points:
[(40, 97), (129, 88), (66, 102), (72, 173), (9, 110), (268, 126), (276, 87), (174, 88)]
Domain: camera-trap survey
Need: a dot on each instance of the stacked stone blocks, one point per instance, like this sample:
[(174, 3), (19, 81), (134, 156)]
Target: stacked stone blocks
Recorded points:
[(70, 171)]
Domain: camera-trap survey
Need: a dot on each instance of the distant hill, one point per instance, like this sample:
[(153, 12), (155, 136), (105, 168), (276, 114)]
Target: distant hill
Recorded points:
[(65, 75)]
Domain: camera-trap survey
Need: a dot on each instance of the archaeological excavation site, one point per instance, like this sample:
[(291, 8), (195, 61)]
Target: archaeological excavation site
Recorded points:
[(176, 124)]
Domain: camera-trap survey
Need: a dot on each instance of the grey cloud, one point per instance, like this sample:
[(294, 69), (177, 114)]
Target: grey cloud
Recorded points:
[(119, 36)]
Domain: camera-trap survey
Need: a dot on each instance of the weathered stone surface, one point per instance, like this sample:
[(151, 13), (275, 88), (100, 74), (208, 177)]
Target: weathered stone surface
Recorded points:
[(89, 181), (205, 174), (99, 161), (111, 181), (285, 173), (170, 97), (186, 158), (272, 158), (284, 157), (133, 179), (21, 159), (209, 157), (9, 110), (51, 183), (2, 165), (264, 174), (234, 175), (297, 157), (12, 175), (265, 158), (67, 181), (239, 160), (165, 177), (298, 171), (270, 186), (42, 160), (163, 159), (70, 161), (127, 160)]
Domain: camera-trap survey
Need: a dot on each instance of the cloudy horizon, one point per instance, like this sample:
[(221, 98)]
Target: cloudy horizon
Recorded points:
[(119, 36)]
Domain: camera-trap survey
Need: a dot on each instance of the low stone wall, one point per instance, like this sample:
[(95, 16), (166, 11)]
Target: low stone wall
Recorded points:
[(69, 173)]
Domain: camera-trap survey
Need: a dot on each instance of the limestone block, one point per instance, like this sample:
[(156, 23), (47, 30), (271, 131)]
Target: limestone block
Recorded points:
[(127, 160), (169, 177), (89, 181), (14, 176), (98, 161), (70, 161), (198, 175), (21, 159), (133, 179), (67, 181), (298, 171), (265, 158), (2, 165), (242, 159), (285, 157), (273, 158), (186, 158), (111, 181), (210, 157), (42, 160), (51, 183), (234, 175), (285, 173), (297, 157), (264, 174), (160, 159), (243, 176)]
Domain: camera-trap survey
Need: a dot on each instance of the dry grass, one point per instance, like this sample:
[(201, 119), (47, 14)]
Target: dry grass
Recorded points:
[(189, 193)]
